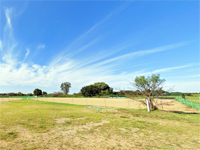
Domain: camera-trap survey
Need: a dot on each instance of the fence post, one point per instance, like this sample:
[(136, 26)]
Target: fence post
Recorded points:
[(105, 102), (86, 102), (191, 103), (198, 105), (128, 104), (72, 101), (148, 105), (161, 104)]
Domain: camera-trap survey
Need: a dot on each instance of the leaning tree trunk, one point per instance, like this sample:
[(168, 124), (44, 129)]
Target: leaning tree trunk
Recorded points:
[(151, 103)]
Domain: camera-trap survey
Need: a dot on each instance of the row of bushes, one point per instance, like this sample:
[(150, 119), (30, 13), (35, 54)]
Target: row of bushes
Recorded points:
[(79, 95)]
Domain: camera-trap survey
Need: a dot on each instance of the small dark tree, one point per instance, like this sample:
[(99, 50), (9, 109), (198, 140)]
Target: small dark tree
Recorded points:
[(37, 92), (183, 96), (19, 94), (29, 94), (65, 87), (11, 94), (44, 93)]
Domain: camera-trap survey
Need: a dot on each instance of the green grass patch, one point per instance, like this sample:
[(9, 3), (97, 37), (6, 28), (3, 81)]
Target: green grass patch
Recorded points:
[(8, 135), (57, 124)]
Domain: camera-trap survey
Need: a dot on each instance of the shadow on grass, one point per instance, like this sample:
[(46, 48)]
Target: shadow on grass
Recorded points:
[(181, 112), (48, 103)]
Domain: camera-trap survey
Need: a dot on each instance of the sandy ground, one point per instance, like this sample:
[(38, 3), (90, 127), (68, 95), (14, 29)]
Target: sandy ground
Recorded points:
[(175, 106), (116, 102)]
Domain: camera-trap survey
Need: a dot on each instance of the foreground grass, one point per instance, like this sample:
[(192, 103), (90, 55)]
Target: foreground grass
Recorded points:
[(30, 124)]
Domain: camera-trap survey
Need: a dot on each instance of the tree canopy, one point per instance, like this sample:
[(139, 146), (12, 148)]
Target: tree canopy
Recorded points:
[(29, 94), (65, 87), (20, 94), (149, 87), (44, 93), (99, 88), (37, 92)]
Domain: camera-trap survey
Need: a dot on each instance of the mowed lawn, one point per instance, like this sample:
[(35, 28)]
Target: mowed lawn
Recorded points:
[(28, 124)]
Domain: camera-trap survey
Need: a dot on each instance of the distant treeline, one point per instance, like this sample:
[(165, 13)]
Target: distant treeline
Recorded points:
[(99, 89), (60, 94)]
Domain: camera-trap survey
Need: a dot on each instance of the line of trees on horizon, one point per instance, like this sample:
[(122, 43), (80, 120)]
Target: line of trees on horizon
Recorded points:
[(36, 92), (91, 91), (149, 90), (100, 89)]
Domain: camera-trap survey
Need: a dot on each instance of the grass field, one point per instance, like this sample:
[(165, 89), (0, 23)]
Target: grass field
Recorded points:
[(194, 98), (28, 124)]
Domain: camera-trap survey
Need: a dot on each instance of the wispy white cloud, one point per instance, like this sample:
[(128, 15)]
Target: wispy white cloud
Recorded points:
[(80, 72), (141, 53), (97, 25), (46, 76), (8, 12), (20, 10), (8, 43), (172, 68), (184, 86), (184, 77), (87, 36), (27, 52), (41, 46)]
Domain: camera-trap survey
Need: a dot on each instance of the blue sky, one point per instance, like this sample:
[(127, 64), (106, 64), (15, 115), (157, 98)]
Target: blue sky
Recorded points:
[(45, 43)]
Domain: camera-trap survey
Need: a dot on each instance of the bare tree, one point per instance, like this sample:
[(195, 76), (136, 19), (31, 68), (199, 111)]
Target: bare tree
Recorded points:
[(150, 88)]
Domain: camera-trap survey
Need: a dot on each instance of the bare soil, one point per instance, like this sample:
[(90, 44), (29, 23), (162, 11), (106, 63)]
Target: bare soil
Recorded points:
[(123, 103), (173, 105)]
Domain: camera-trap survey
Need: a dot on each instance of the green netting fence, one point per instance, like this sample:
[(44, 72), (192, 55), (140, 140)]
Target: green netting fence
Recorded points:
[(195, 105), (117, 96)]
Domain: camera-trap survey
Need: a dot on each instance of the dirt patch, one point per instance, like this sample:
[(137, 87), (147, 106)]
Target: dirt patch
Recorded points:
[(81, 118), (74, 129), (175, 106), (62, 120)]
